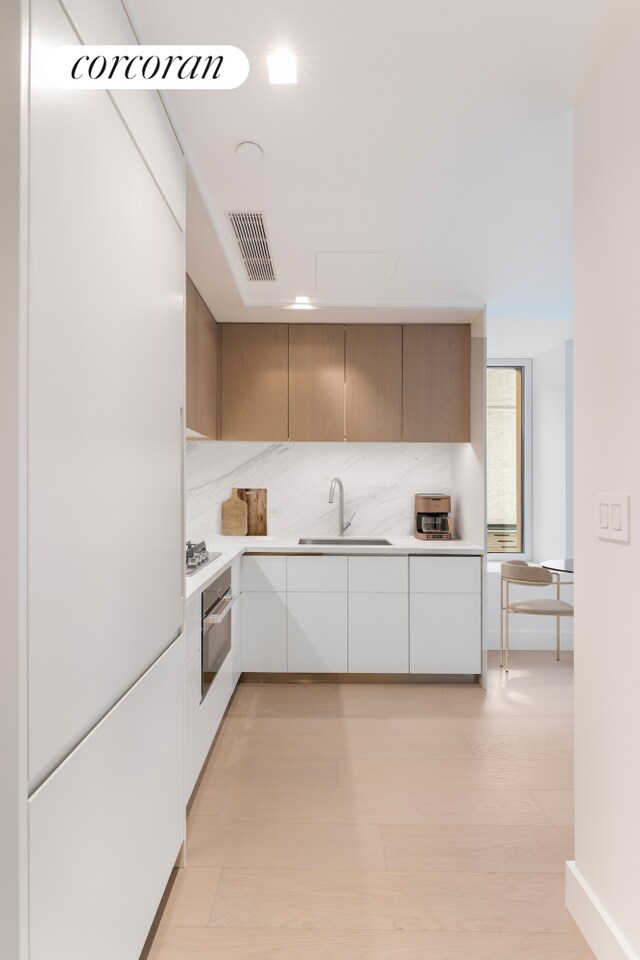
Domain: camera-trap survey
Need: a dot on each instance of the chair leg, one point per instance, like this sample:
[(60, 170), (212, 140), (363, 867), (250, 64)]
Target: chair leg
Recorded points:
[(501, 621), (506, 650)]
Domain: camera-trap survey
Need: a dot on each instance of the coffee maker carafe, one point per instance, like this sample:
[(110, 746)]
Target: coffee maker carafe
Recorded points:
[(432, 517)]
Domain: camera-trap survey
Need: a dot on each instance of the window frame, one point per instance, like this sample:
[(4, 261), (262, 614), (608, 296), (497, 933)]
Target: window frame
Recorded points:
[(526, 366)]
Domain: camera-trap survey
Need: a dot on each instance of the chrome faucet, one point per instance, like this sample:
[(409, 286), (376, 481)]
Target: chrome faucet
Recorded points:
[(343, 526)]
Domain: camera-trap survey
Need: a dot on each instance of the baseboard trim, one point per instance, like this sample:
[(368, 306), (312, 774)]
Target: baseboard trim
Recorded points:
[(530, 640), (595, 924)]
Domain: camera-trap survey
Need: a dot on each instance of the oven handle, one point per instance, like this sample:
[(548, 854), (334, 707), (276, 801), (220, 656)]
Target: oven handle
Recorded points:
[(225, 607)]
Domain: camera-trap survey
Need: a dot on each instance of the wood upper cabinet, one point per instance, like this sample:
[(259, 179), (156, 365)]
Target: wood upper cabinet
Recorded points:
[(203, 357), (374, 382), (255, 381), (316, 382), (436, 383)]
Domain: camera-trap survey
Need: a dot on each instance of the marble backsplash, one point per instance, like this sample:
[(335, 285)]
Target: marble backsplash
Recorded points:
[(380, 481)]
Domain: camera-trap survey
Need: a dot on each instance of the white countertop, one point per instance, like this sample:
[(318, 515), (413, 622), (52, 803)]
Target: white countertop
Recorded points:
[(232, 547)]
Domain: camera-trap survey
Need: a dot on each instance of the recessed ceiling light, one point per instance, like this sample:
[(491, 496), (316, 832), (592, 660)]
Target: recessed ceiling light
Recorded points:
[(282, 67), (249, 152), (303, 299)]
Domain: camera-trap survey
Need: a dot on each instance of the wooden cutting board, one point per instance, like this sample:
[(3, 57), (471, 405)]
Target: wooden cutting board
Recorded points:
[(234, 516), (256, 501)]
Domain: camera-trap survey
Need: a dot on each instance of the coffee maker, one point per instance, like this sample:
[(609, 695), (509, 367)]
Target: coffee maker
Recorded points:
[(432, 517)]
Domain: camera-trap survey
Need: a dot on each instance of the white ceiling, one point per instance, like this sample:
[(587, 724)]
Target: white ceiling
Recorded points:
[(423, 160)]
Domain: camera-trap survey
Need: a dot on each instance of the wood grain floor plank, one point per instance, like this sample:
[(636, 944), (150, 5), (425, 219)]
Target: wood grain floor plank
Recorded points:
[(214, 943), (477, 849), (558, 805), (366, 900), (523, 746), (387, 805), (191, 899), (473, 774)]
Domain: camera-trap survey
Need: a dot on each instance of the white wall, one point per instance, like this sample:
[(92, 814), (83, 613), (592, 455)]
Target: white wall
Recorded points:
[(602, 887), (380, 482), (13, 780)]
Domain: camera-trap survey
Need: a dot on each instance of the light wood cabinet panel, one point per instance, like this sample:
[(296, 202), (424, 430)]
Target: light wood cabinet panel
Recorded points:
[(316, 382), (255, 381), (203, 361), (374, 382), (207, 371), (436, 378)]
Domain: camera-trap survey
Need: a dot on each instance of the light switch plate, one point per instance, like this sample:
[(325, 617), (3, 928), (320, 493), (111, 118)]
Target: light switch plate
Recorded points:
[(613, 517)]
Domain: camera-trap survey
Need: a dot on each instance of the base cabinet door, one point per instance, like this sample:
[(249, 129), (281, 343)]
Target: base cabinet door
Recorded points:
[(264, 632), (317, 632), (378, 633), (445, 633), (106, 827)]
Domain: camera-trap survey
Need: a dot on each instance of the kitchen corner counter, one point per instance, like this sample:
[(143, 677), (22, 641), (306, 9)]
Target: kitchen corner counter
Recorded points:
[(232, 547)]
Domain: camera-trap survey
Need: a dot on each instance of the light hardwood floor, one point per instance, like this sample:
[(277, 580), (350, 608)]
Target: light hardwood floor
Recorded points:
[(378, 822)]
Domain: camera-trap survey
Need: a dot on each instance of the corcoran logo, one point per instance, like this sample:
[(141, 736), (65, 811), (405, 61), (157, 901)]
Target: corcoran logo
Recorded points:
[(142, 67)]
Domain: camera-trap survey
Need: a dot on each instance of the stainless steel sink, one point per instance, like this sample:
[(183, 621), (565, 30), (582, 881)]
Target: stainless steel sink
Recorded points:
[(343, 542)]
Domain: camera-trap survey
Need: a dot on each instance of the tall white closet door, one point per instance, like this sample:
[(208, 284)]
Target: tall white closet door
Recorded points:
[(105, 355)]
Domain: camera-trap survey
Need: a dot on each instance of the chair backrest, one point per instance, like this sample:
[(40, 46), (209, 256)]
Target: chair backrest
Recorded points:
[(519, 570)]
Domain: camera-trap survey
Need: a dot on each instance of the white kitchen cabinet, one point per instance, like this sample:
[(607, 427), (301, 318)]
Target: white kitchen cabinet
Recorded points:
[(445, 633), (264, 574), (317, 632), (106, 827), (445, 574), (378, 632), (379, 574), (236, 620), (316, 574), (264, 631), (193, 758)]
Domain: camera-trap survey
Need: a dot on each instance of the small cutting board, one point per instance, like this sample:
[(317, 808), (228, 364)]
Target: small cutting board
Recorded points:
[(234, 516), (256, 501)]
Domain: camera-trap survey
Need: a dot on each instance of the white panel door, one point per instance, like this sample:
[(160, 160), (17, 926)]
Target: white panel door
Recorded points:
[(378, 633), (379, 574), (311, 574), (445, 633), (193, 625), (264, 632), (317, 632), (446, 574), (264, 574), (192, 753), (106, 827), (105, 358)]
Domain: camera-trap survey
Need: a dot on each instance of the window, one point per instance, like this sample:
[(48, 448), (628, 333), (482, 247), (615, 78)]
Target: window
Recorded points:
[(508, 386)]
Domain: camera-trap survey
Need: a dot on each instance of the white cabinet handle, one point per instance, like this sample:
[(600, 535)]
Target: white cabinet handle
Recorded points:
[(225, 607)]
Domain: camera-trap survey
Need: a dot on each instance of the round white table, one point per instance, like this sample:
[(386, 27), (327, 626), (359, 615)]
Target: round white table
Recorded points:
[(559, 566)]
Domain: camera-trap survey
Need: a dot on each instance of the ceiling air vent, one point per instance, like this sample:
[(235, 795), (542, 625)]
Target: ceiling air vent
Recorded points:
[(251, 233)]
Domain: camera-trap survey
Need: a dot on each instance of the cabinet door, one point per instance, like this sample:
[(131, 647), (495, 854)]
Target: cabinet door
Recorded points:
[(317, 574), (373, 376), (379, 574), (193, 633), (264, 632), (378, 633), (446, 574), (106, 827), (255, 381), (436, 382), (445, 633), (316, 381), (264, 574), (317, 632), (191, 387)]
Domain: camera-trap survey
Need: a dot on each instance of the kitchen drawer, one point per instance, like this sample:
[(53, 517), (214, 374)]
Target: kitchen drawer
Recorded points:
[(317, 574), (264, 574), (378, 574), (445, 574)]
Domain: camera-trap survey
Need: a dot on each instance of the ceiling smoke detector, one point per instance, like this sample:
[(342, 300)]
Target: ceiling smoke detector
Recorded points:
[(251, 234)]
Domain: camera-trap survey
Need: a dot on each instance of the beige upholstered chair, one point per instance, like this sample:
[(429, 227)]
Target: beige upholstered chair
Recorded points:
[(520, 572)]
